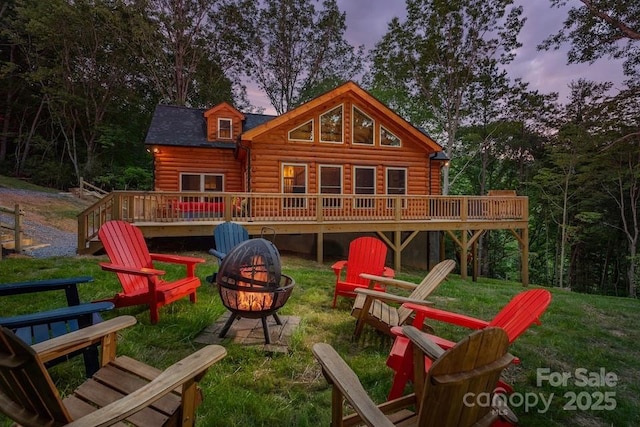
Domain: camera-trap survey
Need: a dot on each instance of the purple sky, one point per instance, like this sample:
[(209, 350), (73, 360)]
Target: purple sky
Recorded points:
[(546, 71)]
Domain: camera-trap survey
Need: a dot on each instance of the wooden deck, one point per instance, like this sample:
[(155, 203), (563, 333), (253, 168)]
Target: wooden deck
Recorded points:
[(180, 214)]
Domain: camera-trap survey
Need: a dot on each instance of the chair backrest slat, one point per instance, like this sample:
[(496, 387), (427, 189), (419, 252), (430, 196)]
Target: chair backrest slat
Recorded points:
[(28, 395), (366, 255), (228, 235), (429, 284), (473, 366), (125, 245), (523, 310)]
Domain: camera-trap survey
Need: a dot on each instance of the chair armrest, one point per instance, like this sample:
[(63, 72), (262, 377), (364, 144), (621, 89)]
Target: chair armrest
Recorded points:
[(389, 281), (82, 338), (370, 293), (17, 288), (189, 368), (423, 341), (176, 259), (388, 272), (338, 266), (342, 378), (446, 316), (56, 315), (131, 270), (217, 254)]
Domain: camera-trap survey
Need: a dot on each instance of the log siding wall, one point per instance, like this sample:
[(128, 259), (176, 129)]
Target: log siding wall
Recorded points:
[(270, 150), (170, 162)]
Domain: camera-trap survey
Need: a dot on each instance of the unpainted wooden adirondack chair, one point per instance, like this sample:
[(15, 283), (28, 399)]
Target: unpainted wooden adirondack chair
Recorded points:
[(142, 283), (123, 388), (372, 307), (444, 396), (366, 255), (515, 318), (226, 236)]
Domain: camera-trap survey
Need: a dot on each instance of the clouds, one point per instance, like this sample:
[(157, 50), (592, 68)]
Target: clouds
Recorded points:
[(548, 71)]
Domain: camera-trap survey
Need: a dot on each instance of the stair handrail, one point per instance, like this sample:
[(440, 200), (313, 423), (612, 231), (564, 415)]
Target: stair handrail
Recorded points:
[(85, 184)]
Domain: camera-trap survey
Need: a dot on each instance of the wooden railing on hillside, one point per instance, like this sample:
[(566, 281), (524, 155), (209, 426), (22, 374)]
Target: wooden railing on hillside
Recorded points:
[(15, 229), (174, 207), (86, 188)]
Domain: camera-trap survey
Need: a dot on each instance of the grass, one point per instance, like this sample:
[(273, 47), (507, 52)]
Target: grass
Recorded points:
[(251, 388)]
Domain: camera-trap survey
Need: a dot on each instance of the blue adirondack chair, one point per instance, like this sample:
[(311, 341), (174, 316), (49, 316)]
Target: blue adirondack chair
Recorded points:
[(37, 327), (226, 236)]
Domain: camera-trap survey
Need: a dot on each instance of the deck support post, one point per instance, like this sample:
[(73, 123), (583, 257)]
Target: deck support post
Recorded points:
[(320, 247), (463, 255)]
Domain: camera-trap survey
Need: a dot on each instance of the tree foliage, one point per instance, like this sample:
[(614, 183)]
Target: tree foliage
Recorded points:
[(435, 56), (295, 51), (601, 28)]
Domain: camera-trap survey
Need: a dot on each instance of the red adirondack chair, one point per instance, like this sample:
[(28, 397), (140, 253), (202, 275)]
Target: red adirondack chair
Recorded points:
[(142, 283), (366, 255), (515, 318)]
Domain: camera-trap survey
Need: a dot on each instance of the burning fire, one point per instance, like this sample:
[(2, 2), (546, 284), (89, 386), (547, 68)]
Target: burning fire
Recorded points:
[(254, 301)]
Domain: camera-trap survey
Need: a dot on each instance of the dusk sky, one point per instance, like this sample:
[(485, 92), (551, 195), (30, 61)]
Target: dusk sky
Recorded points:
[(546, 71)]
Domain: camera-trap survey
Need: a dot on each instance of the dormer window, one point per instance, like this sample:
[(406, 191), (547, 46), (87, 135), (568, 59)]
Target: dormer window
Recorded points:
[(224, 129)]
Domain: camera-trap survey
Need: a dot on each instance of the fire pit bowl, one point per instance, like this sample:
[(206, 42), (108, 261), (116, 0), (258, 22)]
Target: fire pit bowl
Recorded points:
[(251, 285)]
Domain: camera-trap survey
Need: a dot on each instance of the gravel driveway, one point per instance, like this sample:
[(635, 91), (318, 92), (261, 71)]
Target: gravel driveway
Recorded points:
[(49, 240)]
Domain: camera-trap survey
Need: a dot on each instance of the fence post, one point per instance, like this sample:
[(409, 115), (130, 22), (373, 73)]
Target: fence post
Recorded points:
[(18, 229)]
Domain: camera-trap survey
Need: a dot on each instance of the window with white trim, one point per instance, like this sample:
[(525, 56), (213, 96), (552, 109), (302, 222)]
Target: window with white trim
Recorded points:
[(294, 180), (225, 130), (363, 126), (331, 126), (202, 183), (364, 182), (396, 184), (331, 183), (304, 132), (388, 139)]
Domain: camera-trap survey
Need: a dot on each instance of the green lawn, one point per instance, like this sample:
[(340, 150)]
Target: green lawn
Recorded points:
[(582, 335)]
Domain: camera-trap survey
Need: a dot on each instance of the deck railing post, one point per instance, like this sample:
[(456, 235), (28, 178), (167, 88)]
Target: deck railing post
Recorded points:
[(227, 207), (397, 208), (319, 217), (116, 207), (464, 208)]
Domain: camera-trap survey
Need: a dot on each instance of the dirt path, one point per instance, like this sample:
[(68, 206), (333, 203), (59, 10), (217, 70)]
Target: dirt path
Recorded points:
[(49, 219)]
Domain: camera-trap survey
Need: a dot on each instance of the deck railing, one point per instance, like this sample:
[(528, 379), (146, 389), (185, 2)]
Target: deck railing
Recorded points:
[(172, 207)]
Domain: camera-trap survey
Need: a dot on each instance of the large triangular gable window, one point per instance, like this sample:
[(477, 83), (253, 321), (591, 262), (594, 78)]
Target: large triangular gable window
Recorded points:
[(363, 126), (304, 132), (388, 139), (331, 126)]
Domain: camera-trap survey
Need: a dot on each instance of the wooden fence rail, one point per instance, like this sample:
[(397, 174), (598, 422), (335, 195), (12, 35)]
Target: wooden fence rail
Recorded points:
[(17, 213)]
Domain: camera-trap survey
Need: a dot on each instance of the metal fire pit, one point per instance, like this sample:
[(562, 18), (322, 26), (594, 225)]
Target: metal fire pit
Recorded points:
[(251, 285)]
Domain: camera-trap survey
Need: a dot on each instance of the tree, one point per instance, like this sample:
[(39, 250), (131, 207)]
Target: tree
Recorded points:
[(78, 68), (434, 57), (296, 52), (182, 50), (601, 28)]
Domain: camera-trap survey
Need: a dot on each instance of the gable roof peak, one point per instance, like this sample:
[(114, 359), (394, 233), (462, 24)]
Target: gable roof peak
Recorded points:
[(224, 106)]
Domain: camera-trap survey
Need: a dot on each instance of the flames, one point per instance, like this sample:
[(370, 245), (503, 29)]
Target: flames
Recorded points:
[(254, 301)]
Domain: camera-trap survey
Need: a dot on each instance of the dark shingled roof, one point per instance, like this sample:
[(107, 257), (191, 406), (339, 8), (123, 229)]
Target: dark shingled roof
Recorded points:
[(187, 127)]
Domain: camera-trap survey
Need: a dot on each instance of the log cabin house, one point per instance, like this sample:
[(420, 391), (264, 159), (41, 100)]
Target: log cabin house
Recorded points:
[(339, 165)]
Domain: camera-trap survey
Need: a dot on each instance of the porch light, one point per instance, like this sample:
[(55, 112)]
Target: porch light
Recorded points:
[(440, 156)]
